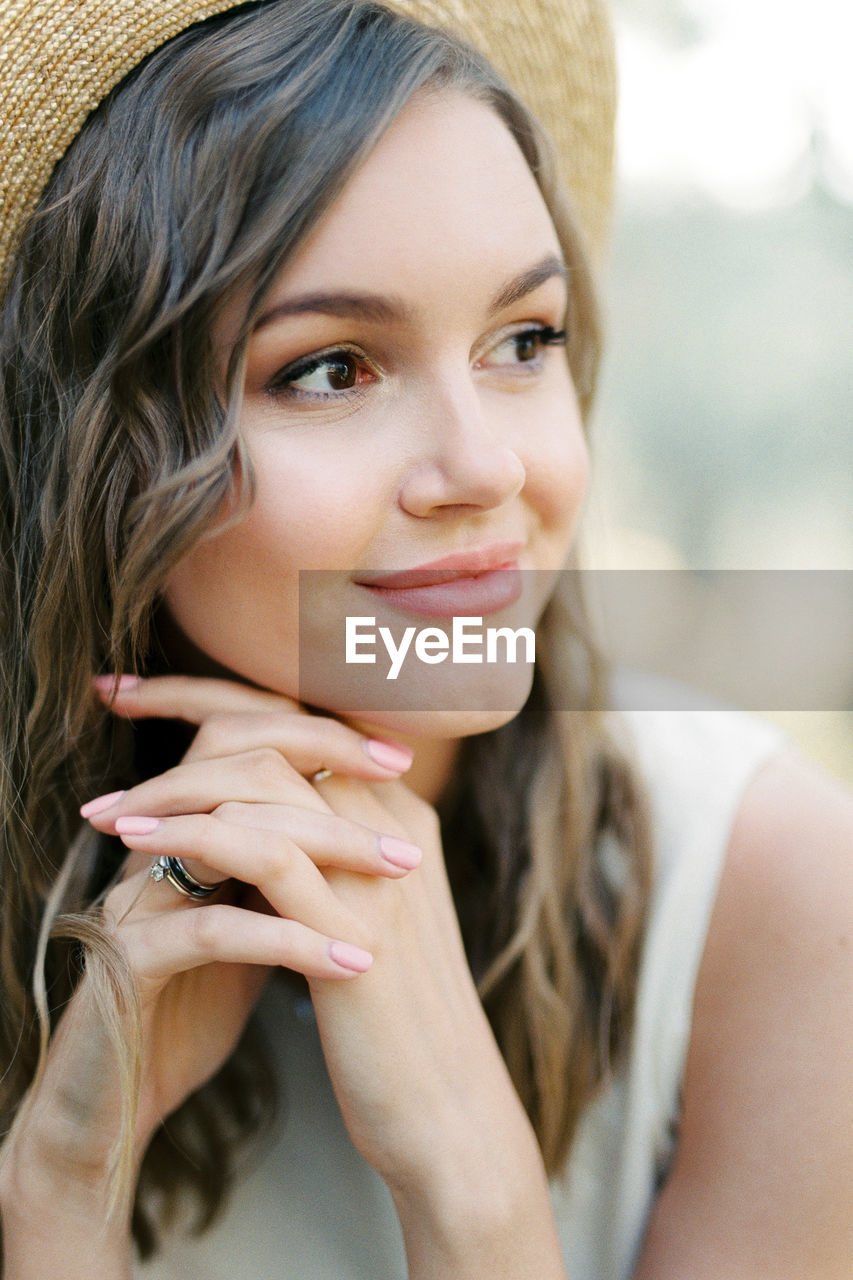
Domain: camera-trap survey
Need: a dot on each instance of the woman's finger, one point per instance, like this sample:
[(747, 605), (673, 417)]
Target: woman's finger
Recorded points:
[(191, 698), (234, 717), (288, 880), (252, 841), (310, 743), (255, 777), (162, 944)]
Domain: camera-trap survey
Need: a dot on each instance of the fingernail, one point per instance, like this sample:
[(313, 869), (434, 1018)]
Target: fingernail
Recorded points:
[(136, 826), (349, 957), (106, 683), (400, 853), (99, 804), (391, 755)]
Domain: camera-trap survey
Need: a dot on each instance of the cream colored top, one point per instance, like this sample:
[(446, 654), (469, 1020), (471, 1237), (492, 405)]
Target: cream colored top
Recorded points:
[(309, 1208)]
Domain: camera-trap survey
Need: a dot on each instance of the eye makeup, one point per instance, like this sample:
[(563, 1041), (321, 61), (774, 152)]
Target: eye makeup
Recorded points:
[(345, 370)]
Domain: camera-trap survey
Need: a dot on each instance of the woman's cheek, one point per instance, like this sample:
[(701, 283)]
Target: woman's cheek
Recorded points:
[(558, 476)]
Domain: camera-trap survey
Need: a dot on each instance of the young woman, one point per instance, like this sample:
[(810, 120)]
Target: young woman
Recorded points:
[(541, 992)]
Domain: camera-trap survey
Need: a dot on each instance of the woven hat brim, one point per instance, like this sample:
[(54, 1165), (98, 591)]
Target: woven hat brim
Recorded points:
[(59, 60)]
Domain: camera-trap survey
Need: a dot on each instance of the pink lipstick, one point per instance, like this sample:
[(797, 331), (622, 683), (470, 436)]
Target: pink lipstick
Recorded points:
[(465, 584)]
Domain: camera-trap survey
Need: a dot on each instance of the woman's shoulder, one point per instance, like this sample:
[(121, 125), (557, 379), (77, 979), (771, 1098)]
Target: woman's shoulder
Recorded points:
[(781, 936), (794, 835), (760, 1182)]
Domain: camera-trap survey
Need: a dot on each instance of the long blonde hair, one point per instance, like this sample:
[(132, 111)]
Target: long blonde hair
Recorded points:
[(116, 453)]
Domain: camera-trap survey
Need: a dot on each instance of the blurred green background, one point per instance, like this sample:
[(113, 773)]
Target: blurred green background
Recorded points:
[(722, 435)]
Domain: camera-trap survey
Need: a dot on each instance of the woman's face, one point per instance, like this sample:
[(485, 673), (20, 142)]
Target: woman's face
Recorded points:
[(406, 399)]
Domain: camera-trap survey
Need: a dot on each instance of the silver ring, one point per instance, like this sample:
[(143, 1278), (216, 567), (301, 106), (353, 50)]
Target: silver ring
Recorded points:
[(174, 871), (320, 776)]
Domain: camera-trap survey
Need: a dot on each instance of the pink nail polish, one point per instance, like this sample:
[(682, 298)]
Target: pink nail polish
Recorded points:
[(349, 957), (391, 755), (400, 853), (133, 826), (105, 683), (99, 804)]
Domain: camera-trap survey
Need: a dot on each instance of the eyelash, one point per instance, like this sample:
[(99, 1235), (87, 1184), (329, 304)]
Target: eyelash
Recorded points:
[(546, 335), (280, 387)]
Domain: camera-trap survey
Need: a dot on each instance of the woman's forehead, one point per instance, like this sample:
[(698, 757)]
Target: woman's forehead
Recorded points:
[(446, 184), (445, 204), (448, 161)]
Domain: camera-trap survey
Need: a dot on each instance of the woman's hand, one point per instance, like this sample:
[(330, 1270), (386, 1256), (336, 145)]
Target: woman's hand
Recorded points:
[(239, 808), (240, 804), (421, 1083), (419, 1078)]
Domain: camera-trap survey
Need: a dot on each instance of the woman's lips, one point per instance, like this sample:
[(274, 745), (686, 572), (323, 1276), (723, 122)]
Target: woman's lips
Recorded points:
[(451, 593)]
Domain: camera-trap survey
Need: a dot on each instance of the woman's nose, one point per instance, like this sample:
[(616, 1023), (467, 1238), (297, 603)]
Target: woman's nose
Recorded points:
[(466, 459)]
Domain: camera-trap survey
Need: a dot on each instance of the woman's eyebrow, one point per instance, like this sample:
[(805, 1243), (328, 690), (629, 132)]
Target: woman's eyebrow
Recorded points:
[(519, 287), (360, 306), (381, 309)]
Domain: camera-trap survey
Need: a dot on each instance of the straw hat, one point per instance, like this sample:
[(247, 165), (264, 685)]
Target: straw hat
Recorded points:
[(60, 58)]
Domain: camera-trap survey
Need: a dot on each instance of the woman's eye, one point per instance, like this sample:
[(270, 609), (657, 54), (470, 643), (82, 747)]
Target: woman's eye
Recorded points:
[(524, 347), (322, 375)]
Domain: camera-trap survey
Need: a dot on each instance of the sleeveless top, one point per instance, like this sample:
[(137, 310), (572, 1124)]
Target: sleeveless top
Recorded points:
[(307, 1207)]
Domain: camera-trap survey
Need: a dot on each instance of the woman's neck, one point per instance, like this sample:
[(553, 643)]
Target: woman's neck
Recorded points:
[(433, 763), (432, 767)]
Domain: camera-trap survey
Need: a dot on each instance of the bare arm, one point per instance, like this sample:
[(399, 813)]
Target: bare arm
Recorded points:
[(421, 1083), (55, 1220), (762, 1184)]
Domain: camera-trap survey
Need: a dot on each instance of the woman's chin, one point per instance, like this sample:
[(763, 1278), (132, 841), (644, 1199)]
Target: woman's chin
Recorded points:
[(434, 724), (441, 705)]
